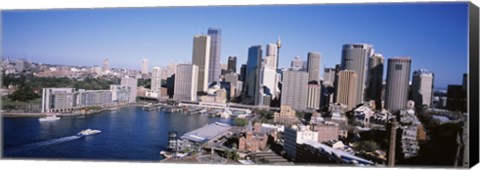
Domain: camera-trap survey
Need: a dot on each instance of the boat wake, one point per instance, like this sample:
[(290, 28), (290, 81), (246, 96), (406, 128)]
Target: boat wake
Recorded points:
[(28, 147)]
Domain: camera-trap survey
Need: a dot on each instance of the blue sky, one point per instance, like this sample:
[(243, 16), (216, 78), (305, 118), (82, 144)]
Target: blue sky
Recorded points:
[(434, 35)]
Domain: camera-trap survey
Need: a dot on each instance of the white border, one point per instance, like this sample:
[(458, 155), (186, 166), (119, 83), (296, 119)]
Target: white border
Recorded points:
[(62, 4), (50, 4)]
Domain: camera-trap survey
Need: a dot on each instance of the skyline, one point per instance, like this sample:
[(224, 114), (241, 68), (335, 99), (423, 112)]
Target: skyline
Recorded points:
[(422, 31)]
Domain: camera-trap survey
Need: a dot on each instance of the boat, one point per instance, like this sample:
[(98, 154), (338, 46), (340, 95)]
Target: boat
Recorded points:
[(88, 132), (226, 113), (165, 154), (49, 118)]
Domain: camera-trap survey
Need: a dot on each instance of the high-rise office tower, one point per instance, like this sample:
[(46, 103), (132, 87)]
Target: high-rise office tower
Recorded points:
[(346, 90), (294, 89), (375, 79), (297, 63), (106, 65), (355, 57), (252, 78), (186, 80), (171, 69), (271, 56), (156, 81), (313, 66), (201, 58), (328, 76), (398, 77), (144, 66), (215, 56), (313, 95), (243, 72), (268, 78), (422, 87), (232, 64), (133, 84)]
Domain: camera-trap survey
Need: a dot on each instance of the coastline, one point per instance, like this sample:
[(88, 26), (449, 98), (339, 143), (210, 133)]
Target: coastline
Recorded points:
[(39, 114)]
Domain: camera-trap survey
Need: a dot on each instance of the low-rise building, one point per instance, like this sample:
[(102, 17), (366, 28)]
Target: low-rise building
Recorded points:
[(67, 99), (312, 152), (254, 140), (286, 115), (297, 134), (327, 131), (408, 133)]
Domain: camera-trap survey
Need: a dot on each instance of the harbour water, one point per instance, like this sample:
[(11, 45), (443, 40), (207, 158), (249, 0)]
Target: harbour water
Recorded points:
[(127, 134)]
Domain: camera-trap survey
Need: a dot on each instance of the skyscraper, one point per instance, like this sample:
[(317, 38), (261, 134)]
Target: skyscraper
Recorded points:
[(297, 63), (171, 69), (313, 95), (271, 56), (328, 76), (346, 90), (294, 91), (252, 79), (106, 65), (422, 87), (201, 58), (355, 57), (243, 72), (133, 84), (398, 77), (156, 81), (232, 64), (268, 78), (144, 66), (313, 66), (375, 79), (215, 49), (186, 80)]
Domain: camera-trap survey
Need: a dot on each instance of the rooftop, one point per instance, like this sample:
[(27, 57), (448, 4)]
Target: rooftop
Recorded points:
[(207, 132)]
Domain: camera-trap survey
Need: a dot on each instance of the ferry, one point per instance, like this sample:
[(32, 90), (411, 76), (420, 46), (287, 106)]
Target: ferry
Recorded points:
[(49, 118), (88, 132)]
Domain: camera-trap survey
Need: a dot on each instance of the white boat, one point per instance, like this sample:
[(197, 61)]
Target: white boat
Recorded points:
[(88, 132), (49, 118), (226, 113)]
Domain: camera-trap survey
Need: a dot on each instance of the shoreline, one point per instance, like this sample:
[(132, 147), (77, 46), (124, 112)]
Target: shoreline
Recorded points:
[(39, 114)]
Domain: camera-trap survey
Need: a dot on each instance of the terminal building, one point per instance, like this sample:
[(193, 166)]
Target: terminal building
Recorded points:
[(207, 134)]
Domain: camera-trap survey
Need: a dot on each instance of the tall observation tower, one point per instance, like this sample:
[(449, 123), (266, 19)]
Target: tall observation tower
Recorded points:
[(279, 45)]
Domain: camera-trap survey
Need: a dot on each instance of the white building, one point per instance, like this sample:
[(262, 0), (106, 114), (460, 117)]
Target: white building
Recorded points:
[(313, 94), (271, 56), (57, 98), (422, 87), (156, 81), (67, 99), (133, 84), (268, 79), (297, 135), (120, 93), (294, 92), (297, 63), (186, 80), (144, 66)]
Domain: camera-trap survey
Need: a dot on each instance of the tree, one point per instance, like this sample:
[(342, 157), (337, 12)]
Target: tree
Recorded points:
[(239, 122), (235, 155), (227, 154), (368, 146)]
